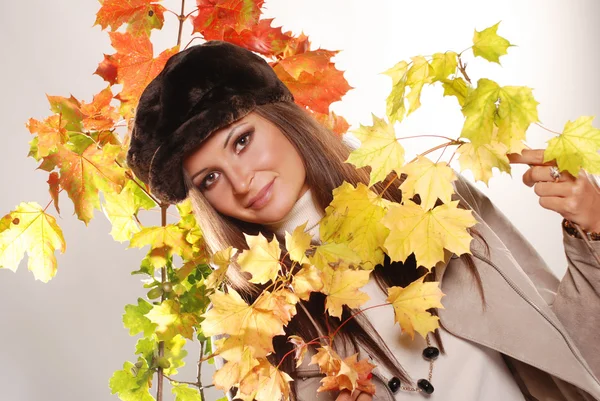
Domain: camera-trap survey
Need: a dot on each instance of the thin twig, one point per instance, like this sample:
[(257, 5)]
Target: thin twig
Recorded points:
[(200, 387), (181, 18), (163, 277), (463, 69)]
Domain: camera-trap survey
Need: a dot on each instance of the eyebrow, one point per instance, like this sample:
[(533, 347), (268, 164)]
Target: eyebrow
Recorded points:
[(233, 130)]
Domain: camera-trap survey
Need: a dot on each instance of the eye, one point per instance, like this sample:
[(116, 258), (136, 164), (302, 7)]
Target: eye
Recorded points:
[(209, 180), (242, 141)]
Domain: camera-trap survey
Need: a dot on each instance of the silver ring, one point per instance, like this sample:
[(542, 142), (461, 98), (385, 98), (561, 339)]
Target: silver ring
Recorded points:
[(554, 172)]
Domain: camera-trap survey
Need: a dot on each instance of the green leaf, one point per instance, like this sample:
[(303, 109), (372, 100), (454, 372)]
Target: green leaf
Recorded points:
[(480, 111), (576, 148), (175, 354), (489, 45), (443, 65), (516, 111), (135, 320), (130, 386), (69, 109), (184, 393), (456, 87)]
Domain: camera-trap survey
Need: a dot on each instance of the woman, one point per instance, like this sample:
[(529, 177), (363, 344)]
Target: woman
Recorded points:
[(219, 126)]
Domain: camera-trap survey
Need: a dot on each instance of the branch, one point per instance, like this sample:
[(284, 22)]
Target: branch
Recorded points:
[(200, 387), (463, 69)]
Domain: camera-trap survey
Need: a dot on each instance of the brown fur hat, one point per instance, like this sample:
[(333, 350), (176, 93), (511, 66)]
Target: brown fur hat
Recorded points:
[(200, 90)]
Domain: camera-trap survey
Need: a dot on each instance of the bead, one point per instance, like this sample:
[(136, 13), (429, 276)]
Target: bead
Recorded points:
[(394, 384), (431, 353), (425, 386)]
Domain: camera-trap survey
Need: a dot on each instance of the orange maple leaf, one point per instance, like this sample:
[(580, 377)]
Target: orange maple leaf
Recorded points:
[(313, 79), (84, 172), (337, 124), (265, 39), (141, 15), (215, 16), (352, 375), (99, 114), (50, 133), (136, 66)]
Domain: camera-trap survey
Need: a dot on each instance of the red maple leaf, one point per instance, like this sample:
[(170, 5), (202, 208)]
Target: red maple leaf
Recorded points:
[(107, 69)]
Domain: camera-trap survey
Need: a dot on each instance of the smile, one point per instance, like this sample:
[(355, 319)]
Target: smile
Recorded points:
[(262, 198)]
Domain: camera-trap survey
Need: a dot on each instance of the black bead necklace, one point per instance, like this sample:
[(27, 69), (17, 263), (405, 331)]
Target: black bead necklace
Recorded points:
[(423, 385)]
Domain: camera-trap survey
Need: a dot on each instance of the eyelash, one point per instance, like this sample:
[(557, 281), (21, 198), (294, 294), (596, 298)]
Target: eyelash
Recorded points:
[(247, 135)]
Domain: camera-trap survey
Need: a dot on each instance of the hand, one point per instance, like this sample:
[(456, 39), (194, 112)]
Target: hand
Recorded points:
[(576, 199), (356, 395)]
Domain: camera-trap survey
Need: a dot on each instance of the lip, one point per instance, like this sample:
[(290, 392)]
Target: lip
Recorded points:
[(262, 197)]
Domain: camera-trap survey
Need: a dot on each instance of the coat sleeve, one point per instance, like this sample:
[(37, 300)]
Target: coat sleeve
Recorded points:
[(576, 298)]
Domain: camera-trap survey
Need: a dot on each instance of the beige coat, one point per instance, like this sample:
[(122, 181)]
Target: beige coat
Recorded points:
[(548, 329)]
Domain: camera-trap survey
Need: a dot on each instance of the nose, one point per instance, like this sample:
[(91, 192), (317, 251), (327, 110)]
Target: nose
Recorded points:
[(240, 177)]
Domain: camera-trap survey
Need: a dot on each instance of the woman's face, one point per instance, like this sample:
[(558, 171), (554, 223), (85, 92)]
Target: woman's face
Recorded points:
[(249, 170)]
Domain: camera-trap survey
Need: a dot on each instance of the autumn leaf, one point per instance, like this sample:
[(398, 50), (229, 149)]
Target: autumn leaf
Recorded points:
[(136, 65), (166, 240), (171, 321), (122, 208), (50, 134), (427, 232), (264, 383), (516, 111), (395, 106), (69, 110), (307, 280), (327, 253), (238, 365), (489, 45), (221, 259), (417, 76), (352, 375), (411, 303), (300, 348), (379, 149), (216, 16), (482, 159), (129, 386), (53, 188), (354, 217), (327, 359), (261, 259), (298, 243), (263, 38), (341, 285), (86, 169), (442, 65), (430, 180), (255, 325), (456, 87), (183, 392), (333, 122), (107, 70), (479, 110), (313, 79), (576, 147), (29, 229), (99, 114), (141, 15)]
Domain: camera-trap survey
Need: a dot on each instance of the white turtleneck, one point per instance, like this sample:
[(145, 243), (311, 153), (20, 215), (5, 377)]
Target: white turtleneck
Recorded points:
[(467, 372)]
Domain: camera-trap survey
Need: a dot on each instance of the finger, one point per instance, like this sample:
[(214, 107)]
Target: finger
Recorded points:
[(344, 396), (542, 173), (556, 204), (365, 397), (529, 156), (559, 189)]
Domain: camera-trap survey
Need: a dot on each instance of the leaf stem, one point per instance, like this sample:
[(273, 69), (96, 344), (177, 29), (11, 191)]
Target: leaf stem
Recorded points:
[(547, 129), (452, 142), (181, 17), (194, 38), (423, 136)]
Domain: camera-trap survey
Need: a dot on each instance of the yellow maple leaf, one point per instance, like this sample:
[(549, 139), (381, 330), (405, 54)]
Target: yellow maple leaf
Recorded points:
[(516, 111), (428, 179), (427, 232), (307, 280), (456, 87), (298, 243), (261, 259), (483, 158), (164, 241), (417, 76), (29, 229), (238, 365), (332, 253), (395, 107), (354, 217), (265, 383), (480, 110), (352, 375), (255, 324), (379, 149), (576, 147), (120, 209), (411, 303), (443, 65), (221, 259), (171, 321), (327, 359), (341, 285), (300, 348), (489, 45)]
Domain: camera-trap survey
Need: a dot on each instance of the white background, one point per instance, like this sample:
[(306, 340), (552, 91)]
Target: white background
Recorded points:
[(63, 340)]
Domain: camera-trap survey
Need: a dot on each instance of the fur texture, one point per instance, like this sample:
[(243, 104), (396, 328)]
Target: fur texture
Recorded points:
[(200, 90)]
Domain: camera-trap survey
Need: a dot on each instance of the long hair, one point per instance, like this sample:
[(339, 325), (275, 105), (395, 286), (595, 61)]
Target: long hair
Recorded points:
[(323, 155)]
